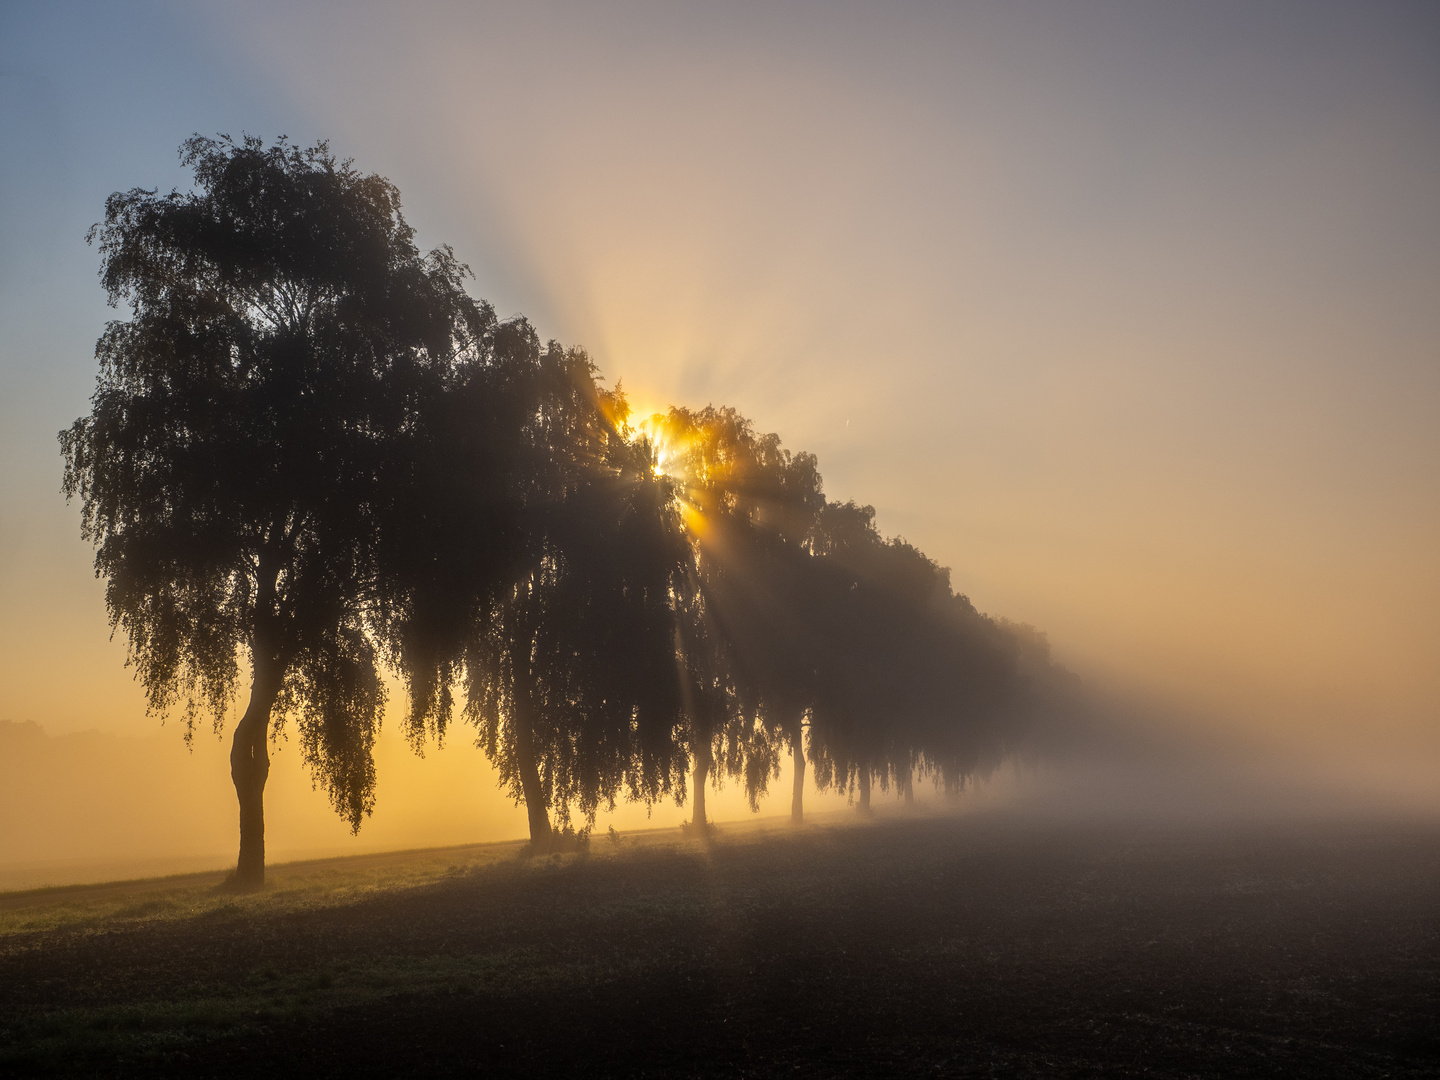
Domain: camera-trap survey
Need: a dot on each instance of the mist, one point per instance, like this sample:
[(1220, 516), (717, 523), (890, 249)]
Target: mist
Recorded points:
[(99, 805)]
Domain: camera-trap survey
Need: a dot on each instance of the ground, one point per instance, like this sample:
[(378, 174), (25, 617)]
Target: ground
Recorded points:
[(975, 945)]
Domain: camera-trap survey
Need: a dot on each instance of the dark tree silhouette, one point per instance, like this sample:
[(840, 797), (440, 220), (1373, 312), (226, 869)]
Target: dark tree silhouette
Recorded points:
[(310, 449), (543, 581), (251, 421), (807, 619), (912, 678), (748, 503), (583, 645)]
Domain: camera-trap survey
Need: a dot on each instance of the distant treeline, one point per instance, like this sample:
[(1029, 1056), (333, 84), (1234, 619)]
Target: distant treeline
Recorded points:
[(311, 453)]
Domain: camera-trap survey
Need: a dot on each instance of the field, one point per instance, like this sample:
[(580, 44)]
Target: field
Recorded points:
[(978, 945)]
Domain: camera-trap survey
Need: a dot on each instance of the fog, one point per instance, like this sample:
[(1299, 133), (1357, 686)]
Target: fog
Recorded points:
[(1126, 314), (94, 806)]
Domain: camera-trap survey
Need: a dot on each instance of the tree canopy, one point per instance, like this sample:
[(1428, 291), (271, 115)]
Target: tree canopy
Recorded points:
[(252, 420), (310, 450)]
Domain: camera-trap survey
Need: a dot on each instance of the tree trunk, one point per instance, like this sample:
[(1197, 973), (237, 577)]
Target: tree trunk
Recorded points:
[(907, 786), (864, 791), (250, 768), (797, 795), (702, 777), (530, 787)]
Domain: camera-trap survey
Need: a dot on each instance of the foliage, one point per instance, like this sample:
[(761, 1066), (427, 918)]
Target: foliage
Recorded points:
[(571, 667), (251, 420), (310, 449), (752, 508)]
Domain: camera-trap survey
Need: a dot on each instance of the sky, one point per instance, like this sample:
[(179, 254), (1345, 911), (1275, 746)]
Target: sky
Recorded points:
[(1128, 313)]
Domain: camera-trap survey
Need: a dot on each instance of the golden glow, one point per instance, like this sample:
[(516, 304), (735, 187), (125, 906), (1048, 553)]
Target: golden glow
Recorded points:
[(694, 520), (677, 451)]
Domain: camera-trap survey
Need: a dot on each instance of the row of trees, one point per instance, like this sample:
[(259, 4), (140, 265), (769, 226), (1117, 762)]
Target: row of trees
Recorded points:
[(311, 450)]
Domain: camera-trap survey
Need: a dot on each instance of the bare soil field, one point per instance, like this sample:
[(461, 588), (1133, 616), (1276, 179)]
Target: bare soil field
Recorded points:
[(980, 945)]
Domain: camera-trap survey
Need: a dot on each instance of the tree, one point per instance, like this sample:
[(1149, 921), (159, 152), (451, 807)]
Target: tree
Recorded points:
[(751, 505), (911, 677), (251, 422), (567, 654)]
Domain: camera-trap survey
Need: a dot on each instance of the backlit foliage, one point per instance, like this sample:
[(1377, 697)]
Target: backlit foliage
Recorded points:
[(311, 450)]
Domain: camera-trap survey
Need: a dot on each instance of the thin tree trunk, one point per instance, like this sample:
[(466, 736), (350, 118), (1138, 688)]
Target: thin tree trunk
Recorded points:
[(797, 795), (907, 786), (702, 777), (250, 769), (530, 787), (864, 790)]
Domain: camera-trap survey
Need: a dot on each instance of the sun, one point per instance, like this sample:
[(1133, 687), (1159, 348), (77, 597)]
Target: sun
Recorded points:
[(669, 451), (675, 447)]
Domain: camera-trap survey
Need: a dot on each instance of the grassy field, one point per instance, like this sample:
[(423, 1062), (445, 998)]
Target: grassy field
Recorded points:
[(980, 945)]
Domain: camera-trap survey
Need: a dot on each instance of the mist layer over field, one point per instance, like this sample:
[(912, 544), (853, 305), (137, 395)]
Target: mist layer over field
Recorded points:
[(97, 806)]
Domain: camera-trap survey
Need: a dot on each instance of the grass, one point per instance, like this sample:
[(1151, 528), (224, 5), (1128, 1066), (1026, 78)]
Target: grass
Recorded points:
[(154, 1031), (252, 1002), (289, 887), (980, 945)]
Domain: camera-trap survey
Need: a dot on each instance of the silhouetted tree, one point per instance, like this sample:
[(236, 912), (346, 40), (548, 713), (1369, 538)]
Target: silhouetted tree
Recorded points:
[(310, 449), (251, 422), (750, 505), (805, 617), (911, 677), (568, 656)]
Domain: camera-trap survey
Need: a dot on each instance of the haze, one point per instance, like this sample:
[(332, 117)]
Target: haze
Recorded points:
[(1127, 313)]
